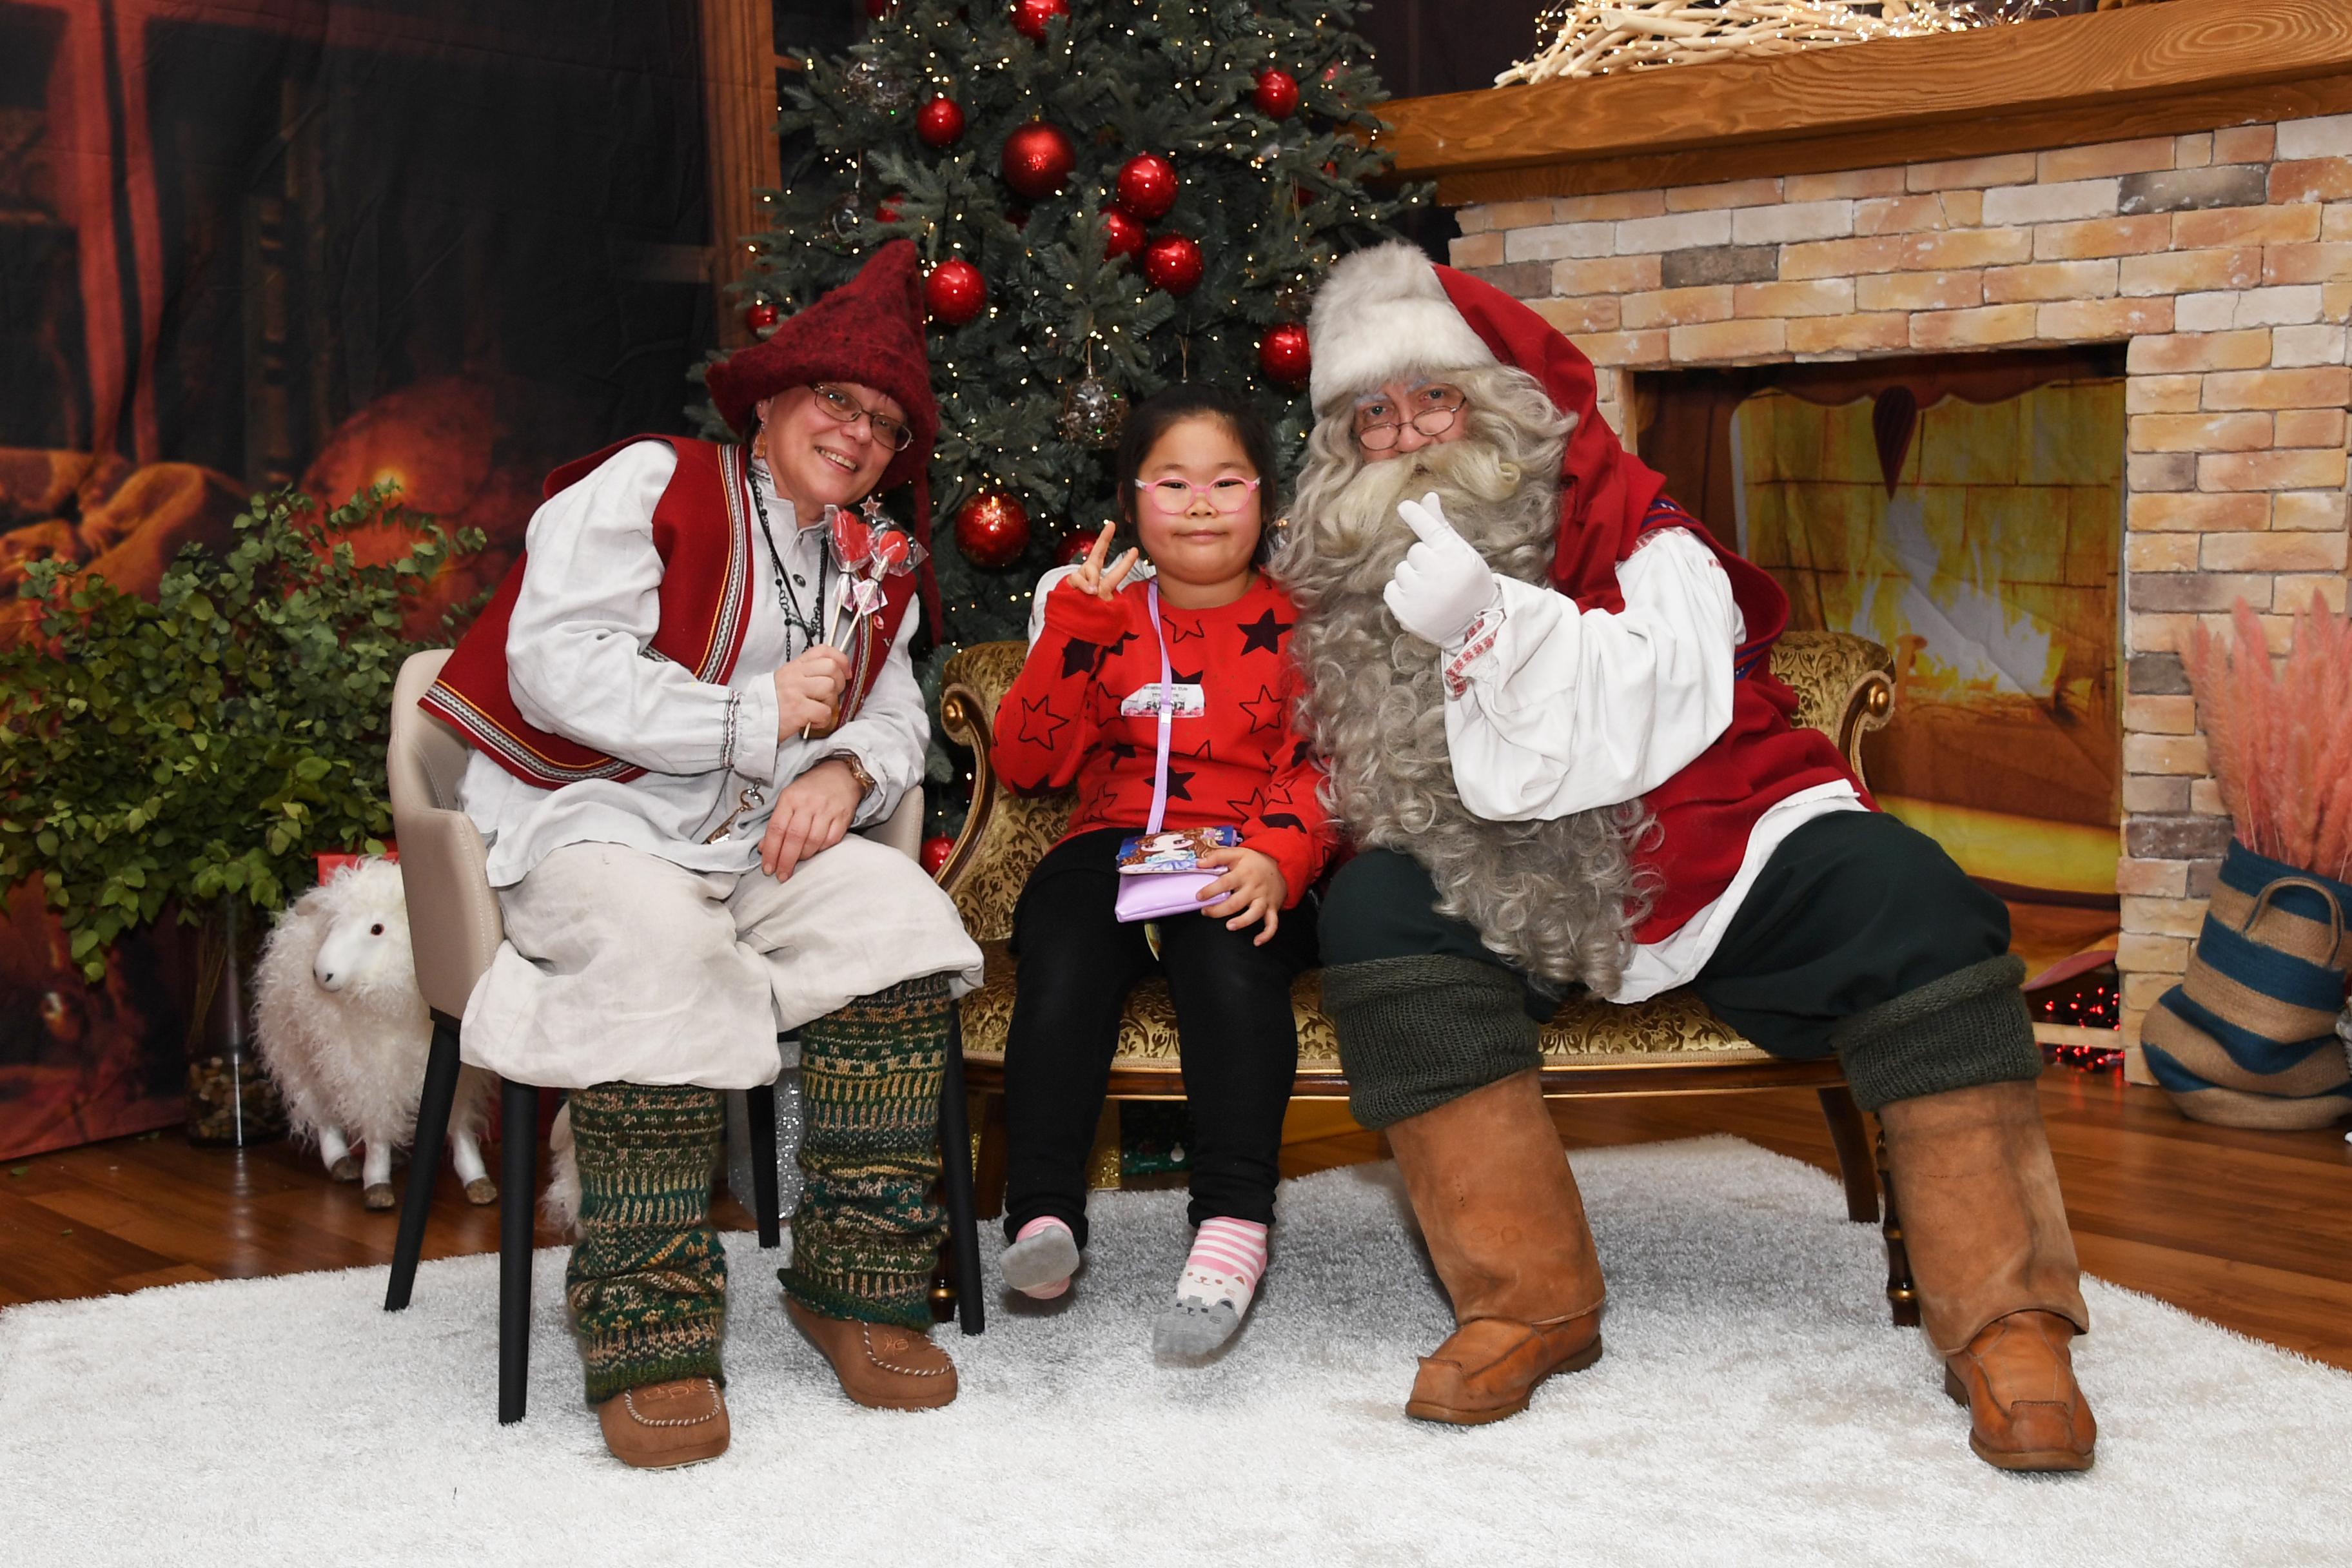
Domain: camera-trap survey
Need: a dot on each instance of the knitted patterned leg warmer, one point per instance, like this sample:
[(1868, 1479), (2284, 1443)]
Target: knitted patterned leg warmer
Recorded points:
[(647, 1280), (867, 1234)]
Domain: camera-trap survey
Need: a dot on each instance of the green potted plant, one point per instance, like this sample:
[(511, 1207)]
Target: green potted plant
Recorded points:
[(192, 753)]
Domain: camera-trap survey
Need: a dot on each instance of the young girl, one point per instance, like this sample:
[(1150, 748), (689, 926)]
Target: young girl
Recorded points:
[(1192, 475)]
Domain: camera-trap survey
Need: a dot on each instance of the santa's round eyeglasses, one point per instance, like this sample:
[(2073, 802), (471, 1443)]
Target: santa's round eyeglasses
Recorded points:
[(1435, 405)]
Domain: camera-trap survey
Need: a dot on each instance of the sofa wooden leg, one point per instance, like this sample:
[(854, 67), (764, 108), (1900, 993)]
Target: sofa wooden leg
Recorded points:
[(1852, 1141), (1902, 1295), (988, 1180)]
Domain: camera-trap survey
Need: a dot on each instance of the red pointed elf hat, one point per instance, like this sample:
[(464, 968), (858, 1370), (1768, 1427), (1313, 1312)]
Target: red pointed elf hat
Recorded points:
[(869, 330)]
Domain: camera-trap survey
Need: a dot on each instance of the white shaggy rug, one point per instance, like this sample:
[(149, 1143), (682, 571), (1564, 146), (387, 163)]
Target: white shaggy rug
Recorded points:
[(1754, 1407)]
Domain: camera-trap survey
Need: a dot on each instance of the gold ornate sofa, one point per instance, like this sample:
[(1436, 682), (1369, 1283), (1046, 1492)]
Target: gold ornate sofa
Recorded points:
[(1671, 1045)]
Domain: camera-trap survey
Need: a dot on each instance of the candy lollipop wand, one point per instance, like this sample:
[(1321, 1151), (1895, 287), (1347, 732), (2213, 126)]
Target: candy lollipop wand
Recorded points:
[(870, 548)]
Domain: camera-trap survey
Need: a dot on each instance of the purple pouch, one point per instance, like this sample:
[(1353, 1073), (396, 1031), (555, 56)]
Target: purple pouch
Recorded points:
[(1147, 898)]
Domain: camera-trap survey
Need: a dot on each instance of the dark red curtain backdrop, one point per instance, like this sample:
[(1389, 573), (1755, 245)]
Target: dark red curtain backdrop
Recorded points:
[(255, 242)]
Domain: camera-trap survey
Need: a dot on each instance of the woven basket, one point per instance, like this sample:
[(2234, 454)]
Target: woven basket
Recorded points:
[(2248, 1037)]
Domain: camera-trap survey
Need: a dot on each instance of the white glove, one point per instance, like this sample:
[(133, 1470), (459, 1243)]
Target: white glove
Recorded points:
[(1442, 584)]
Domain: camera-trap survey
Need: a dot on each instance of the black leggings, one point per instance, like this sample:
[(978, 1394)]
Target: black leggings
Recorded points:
[(1239, 1042)]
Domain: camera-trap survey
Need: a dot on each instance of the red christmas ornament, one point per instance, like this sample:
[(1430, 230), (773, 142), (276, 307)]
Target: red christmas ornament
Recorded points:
[(887, 209), (1122, 235), (877, 9), (1146, 187), (1073, 548), (991, 529), (1038, 159), (763, 316), (1277, 94), (1283, 355), (1174, 263), (935, 850), (1029, 17), (940, 122), (954, 292)]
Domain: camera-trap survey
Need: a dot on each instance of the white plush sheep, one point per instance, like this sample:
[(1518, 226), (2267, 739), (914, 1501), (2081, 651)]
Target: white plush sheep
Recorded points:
[(341, 1028)]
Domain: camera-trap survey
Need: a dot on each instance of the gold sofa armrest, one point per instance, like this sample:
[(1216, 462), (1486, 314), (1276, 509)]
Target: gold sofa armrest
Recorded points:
[(1844, 686), (1004, 835)]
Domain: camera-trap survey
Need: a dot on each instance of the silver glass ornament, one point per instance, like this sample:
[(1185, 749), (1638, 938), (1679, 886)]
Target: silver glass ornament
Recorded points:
[(873, 86), (1093, 413), (842, 216)]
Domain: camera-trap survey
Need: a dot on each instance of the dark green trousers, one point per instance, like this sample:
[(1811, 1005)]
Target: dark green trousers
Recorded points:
[(1861, 938)]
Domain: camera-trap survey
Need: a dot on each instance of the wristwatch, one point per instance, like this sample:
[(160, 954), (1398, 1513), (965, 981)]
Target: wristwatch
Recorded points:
[(866, 784)]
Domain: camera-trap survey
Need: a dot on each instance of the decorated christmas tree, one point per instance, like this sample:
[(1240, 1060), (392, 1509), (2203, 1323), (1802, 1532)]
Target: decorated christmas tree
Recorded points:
[(1109, 196)]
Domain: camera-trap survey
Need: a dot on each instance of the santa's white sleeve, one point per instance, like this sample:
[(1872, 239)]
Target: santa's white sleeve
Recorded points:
[(1551, 710), (577, 663)]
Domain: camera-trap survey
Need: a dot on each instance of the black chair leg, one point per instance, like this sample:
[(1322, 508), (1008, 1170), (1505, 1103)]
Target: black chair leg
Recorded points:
[(760, 1104), (955, 1168), (424, 1161), (518, 1196)]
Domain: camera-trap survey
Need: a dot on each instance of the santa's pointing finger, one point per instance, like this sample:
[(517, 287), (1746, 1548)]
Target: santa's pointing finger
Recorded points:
[(1441, 585)]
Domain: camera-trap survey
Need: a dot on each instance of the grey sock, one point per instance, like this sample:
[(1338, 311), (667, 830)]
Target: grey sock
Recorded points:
[(1048, 1257), (1190, 1328)]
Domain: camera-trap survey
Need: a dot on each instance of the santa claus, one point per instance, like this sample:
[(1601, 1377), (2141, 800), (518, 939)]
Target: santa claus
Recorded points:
[(1554, 732)]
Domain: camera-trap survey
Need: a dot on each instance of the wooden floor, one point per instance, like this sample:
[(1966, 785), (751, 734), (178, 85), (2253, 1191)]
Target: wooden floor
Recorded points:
[(2253, 1230)]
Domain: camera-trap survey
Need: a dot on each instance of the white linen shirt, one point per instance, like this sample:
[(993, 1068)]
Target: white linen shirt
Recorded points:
[(1553, 710), (579, 664)]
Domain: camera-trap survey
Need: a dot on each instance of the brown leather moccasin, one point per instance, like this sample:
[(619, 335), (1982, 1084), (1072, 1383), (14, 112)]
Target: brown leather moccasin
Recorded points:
[(881, 1367), (662, 1425), (2025, 1410), (1489, 1368)]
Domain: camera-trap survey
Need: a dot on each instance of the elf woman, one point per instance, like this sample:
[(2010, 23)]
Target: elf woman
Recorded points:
[(1167, 703)]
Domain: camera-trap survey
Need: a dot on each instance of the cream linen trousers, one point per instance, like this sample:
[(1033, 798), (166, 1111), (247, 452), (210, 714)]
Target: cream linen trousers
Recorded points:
[(619, 965)]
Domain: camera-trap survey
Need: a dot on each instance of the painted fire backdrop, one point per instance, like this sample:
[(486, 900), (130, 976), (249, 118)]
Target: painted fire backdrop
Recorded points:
[(251, 242), (1969, 515)]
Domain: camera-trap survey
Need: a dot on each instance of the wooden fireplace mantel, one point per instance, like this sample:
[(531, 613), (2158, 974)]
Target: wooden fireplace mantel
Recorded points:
[(2146, 71)]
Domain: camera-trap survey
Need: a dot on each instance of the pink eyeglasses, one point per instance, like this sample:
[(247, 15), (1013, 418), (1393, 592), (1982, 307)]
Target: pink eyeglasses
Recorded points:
[(1173, 497)]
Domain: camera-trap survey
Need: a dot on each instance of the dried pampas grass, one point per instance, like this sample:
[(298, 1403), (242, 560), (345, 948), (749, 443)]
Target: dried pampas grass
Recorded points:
[(2280, 735), (1594, 40)]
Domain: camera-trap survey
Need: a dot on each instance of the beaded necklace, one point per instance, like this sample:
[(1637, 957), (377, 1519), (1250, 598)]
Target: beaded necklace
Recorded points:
[(810, 627)]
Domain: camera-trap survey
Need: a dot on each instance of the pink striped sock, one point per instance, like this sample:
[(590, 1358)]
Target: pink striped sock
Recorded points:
[(1227, 1262), (1055, 1265)]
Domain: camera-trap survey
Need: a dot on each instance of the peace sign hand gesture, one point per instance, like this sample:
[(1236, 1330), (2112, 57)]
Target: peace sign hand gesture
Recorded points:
[(1089, 576)]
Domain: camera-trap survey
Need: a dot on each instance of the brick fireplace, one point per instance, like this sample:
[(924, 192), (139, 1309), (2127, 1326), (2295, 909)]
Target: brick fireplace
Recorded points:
[(2220, 260)]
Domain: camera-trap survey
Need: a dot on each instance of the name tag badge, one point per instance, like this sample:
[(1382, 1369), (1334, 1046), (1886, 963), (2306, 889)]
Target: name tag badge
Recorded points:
[(1145, 701)]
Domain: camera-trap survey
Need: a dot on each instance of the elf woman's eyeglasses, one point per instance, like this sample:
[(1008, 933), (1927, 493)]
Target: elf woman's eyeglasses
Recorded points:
[(1434, 407), (894, 434), (1173, 497)]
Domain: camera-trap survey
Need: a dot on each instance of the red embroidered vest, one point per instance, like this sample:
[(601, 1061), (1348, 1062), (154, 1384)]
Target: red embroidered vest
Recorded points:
[(706, 534)]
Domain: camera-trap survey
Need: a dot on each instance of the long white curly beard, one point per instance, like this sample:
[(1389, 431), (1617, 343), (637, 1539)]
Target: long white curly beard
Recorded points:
[(1558, 898)]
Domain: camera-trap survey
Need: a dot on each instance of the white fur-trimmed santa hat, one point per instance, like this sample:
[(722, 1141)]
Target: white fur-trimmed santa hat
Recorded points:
[(1382, 312)]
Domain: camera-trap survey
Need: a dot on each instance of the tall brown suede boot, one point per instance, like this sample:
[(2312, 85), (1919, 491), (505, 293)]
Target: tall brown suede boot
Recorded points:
[(1505, 1229), (1999, 1291)]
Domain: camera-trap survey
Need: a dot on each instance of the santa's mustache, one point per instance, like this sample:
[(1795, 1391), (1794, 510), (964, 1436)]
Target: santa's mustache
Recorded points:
[(1469, 477)]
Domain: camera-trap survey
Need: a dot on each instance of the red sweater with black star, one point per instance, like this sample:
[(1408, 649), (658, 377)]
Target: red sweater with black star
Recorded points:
[(1240, 764)]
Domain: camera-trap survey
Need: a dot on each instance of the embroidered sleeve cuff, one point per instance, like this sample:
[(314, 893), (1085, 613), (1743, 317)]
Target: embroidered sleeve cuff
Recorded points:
[(751, 731), (1476, 645)]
